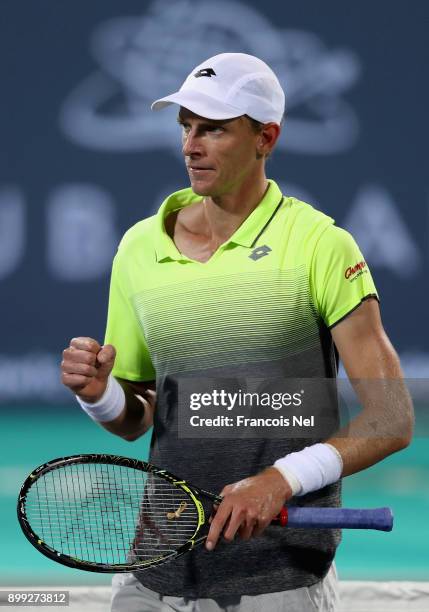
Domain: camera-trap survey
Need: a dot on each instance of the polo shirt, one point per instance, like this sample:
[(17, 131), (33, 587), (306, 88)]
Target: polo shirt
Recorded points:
[(261, 306)]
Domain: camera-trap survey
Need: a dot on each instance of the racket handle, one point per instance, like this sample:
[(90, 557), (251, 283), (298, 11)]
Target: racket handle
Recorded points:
[(336, 518)]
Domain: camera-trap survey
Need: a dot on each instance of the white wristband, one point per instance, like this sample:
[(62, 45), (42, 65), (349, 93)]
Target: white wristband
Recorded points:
[(109, 406), (312, 468)]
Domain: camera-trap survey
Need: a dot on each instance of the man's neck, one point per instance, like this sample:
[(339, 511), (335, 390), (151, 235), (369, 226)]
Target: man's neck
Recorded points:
[(224, 214)]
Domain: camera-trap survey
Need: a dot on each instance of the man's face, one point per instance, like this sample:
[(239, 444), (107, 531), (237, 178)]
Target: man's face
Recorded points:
[(219, 155)]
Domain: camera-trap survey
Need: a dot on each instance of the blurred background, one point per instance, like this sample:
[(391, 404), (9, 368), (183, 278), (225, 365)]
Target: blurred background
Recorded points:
[(82, 158)]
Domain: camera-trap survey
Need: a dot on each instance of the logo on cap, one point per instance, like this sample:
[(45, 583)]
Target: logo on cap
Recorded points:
[(208, 72)]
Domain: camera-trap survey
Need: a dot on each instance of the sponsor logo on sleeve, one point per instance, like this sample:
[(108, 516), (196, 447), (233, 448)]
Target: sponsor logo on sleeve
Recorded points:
[(353, 272)]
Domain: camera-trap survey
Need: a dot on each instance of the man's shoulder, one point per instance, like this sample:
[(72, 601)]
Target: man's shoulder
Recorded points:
[(140, 231), (307, 213), (145, 230), (316, 233), (307, 221)]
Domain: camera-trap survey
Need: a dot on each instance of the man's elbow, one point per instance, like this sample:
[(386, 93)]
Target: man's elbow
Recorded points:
[(406, 433), (407, 437), (402, 443), (131, 437)]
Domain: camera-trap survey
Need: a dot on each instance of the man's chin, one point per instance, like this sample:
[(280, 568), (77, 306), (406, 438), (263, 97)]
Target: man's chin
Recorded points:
[(201, 189)]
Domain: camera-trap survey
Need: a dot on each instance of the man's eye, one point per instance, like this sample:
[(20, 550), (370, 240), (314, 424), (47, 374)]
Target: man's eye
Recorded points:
[(215, 128)]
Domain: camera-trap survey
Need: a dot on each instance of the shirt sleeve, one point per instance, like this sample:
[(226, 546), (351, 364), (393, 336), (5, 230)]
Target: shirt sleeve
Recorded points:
[(340, 279), (126, 334)]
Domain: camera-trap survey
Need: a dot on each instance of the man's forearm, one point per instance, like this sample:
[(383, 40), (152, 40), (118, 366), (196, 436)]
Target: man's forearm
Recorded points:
[(384, 426), (137, 416)]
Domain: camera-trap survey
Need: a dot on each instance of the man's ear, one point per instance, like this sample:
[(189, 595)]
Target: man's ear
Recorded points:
[(268, 137)]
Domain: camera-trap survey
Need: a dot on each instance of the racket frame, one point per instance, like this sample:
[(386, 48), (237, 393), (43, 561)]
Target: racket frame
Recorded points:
[(295, 517), (191, 491)]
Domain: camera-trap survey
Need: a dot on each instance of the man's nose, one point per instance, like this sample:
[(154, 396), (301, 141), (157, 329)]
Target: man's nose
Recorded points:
[(191, 144)]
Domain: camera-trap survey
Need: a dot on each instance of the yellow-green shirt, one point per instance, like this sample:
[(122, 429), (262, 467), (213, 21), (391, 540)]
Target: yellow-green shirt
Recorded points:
[(261, 307)]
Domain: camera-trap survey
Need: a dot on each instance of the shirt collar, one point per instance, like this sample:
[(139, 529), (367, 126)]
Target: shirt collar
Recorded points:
[(164, 246), (246, 235), (252, 227)]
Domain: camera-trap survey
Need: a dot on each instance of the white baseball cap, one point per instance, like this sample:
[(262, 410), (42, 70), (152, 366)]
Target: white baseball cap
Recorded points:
[(230, 85)]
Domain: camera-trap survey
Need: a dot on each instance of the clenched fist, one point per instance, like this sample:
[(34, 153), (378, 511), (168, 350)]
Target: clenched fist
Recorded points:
[(86, 366)]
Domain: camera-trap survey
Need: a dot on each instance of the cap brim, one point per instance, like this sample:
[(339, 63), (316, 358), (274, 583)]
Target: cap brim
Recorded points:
[(200, 104)]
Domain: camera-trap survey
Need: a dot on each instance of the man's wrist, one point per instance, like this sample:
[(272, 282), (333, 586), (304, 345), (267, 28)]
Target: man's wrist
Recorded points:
[(290, 478), (284, 484), (90, 399), (109, 406), (311, 469)]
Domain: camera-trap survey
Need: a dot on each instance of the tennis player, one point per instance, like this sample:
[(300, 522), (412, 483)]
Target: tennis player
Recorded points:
[(233, 279)]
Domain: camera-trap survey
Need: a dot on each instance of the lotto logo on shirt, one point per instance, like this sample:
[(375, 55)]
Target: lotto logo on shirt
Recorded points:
[(352, 273)]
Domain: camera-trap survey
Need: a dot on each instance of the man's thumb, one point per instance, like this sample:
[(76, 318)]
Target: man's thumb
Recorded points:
[(105, 360)]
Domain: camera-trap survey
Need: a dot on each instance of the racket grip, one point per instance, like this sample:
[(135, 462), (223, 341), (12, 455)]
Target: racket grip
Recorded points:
[(336, 518)]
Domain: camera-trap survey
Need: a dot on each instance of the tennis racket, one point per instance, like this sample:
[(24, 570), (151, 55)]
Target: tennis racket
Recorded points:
[(105, 513)]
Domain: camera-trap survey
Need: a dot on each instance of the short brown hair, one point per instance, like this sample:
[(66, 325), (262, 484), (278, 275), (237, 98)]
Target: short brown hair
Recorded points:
[(256, 127)]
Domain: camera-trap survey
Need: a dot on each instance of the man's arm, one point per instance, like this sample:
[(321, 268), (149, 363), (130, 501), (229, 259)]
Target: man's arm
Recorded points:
[(137, 416), (85, 370), (385, 424)]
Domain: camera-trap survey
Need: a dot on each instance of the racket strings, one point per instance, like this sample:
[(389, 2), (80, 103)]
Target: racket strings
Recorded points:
[(110, 514)]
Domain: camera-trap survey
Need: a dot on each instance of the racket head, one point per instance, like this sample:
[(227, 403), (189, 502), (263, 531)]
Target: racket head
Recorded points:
[(109, 514)]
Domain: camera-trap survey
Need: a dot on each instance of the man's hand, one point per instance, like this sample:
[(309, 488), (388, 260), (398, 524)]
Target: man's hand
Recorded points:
[(86, 366), (249, 506)]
